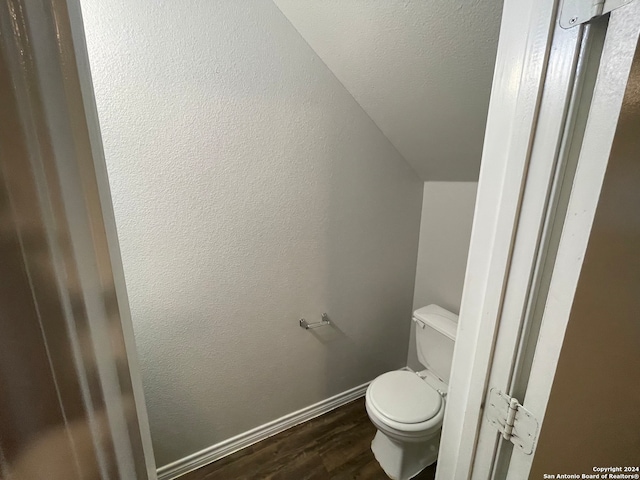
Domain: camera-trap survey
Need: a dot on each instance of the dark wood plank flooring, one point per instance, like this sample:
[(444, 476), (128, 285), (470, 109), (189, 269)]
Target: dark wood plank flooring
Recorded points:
[(334, 446)]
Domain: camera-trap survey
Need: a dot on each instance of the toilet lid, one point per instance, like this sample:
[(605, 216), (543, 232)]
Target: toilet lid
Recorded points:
[(404, 397)]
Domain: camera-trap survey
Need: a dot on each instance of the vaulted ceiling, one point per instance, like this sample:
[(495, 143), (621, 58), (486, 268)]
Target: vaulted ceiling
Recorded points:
[(421, 69)]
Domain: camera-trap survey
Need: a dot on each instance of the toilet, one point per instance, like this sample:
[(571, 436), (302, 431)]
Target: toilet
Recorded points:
[(407, 407)]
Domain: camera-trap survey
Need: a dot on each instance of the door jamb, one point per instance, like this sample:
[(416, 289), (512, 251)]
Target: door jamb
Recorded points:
[(525, 39), (615, 66), (523, 53)]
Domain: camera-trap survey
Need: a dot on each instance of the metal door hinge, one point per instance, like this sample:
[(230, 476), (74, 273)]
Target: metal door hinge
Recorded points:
[(515, 422), (575, 12)]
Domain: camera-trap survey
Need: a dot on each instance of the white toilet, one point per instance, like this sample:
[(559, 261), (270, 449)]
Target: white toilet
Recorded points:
[(407, 407)]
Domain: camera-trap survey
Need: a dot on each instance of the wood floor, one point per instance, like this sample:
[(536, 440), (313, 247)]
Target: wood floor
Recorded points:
[(335, 446)]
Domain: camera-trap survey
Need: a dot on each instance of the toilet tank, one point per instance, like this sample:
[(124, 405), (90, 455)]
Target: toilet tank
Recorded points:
[(435, 337)]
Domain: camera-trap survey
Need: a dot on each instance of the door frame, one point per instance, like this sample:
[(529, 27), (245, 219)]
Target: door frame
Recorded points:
[(44, 45), (525, 37), (620, 46), (523, 73), (77, 42)]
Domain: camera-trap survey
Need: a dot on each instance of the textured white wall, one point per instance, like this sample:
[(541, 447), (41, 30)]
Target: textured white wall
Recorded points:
[(421, 69), (250, 189), (445, 233)]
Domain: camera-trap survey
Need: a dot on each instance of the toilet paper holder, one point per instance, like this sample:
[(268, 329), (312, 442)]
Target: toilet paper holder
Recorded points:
[(306, 325)]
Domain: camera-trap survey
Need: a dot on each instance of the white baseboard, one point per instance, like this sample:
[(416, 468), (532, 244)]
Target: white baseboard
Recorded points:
[(233, 444)]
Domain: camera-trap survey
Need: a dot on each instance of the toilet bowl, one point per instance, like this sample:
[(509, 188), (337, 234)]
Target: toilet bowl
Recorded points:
[(406, 407)]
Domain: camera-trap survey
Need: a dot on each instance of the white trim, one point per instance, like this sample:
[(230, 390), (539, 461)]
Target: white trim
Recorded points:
[(521, 65), (617, 58), (533, 238), (246, 439), (515, 97), (85, 81)]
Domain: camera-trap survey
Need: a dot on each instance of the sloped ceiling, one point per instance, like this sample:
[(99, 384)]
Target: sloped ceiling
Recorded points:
[(421, 69)]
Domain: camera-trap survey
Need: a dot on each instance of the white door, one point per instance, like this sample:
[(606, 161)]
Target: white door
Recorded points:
[(555, 104)]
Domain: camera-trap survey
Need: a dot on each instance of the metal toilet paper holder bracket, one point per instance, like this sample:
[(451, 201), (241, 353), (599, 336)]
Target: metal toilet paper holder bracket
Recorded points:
[(306, 325)]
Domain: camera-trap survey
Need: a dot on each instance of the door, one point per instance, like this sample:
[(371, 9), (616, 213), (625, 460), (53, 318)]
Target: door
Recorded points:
[(554, 109)]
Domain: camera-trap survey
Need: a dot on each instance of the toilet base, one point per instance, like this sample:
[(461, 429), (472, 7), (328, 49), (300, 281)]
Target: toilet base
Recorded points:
[(404, 460)]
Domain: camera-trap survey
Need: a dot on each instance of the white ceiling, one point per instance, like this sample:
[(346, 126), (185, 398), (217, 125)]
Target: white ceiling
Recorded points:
[(421, 69)]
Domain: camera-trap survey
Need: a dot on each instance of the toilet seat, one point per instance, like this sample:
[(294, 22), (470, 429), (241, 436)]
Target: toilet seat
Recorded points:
[(385, 389), (403, 397)]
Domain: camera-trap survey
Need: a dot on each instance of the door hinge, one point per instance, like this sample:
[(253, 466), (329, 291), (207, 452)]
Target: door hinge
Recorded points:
[(516, 423), (575, 12)]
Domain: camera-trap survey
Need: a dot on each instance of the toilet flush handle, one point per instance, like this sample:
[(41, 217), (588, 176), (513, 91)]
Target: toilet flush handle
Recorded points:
[(418, 322)]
